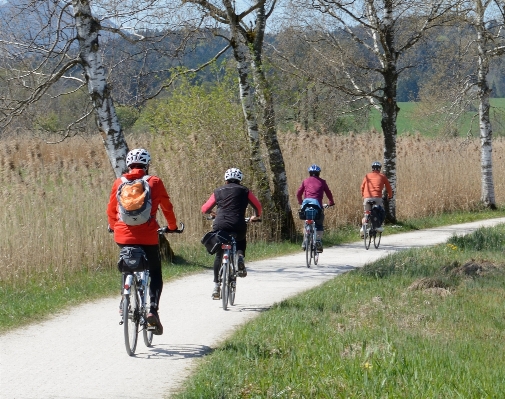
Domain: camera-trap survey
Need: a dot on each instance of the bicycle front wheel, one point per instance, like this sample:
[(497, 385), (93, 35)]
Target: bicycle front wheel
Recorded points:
[(131, 317), (226, 286), (308, 248), (148, 335)]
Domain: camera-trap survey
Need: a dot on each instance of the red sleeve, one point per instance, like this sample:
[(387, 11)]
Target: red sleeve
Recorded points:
[(165, 204), (329, 194), (211, 203), (299, 193), (388, 187), (255, 203), (112, 205)]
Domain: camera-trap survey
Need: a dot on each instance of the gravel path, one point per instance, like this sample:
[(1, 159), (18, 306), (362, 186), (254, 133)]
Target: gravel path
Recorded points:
[(80, 353)]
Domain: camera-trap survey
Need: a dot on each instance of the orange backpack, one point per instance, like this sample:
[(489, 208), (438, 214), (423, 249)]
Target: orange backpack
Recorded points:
[(134, 200)]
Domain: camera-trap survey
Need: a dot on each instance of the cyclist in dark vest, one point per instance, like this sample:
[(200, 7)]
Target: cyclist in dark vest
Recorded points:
[(231, 200)]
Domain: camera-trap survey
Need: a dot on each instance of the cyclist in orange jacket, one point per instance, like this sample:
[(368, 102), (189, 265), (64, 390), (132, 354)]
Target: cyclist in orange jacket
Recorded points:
[(144, 235), (373, 186)]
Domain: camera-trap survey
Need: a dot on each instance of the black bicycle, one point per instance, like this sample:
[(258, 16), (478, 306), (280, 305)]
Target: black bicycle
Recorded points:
[(368, 229), (135, 303), (227, 277)]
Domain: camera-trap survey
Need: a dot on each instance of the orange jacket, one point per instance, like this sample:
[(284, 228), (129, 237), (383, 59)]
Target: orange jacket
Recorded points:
[(147, 233), (373, 184)]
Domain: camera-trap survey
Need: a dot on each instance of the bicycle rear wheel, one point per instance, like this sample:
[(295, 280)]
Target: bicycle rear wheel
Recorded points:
[(226, 286), (233, 286), (377, 239), (308, 249), (131, 317), (366, 236)]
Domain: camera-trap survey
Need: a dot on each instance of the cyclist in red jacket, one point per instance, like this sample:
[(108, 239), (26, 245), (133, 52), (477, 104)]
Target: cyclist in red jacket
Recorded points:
[(231, 200), (145, 235), (312, 191)]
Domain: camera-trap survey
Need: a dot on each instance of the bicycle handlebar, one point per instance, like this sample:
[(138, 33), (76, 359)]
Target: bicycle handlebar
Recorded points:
[(247, 220), (165, 229)]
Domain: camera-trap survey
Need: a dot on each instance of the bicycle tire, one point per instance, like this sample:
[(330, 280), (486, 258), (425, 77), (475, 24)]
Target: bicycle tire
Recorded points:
[(148, 335), (308, 249), (377, 241), (233, 287), (366, 236), (225, 287), (315, 254), (131, 313)]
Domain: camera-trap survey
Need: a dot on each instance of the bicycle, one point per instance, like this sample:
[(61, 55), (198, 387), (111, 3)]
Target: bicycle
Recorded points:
[(227, 277), (369, 231), (310, 234), (136, 303)]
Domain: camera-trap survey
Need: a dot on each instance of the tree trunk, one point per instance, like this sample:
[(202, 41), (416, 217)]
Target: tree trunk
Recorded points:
[(88, 29), (486, 132), (247, 101), (280, 195)]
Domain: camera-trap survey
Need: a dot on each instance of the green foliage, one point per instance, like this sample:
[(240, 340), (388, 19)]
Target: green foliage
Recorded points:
[(127, 116)]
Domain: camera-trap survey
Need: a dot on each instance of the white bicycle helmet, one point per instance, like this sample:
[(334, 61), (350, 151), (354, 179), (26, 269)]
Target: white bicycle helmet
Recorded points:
[(376, 165), (138, 156), (233, 174)]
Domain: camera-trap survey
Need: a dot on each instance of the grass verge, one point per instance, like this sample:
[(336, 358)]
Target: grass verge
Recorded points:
[(421, 323), (45, 294)]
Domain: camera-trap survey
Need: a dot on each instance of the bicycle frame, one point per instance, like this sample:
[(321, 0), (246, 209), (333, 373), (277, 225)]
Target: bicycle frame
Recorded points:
[(140, 282)]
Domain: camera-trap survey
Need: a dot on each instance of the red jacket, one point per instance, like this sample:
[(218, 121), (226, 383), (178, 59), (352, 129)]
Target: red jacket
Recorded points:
[(374, 183), (147, 233)]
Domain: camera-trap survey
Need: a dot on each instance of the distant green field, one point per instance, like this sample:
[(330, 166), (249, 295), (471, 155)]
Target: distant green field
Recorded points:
[(409, 121)]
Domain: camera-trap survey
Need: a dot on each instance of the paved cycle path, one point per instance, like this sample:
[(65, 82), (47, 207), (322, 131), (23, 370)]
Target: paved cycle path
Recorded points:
[(80, 353)]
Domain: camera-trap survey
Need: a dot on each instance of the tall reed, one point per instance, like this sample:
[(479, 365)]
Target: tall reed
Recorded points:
[(55, 196)]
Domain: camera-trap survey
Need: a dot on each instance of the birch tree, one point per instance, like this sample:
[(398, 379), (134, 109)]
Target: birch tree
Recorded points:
[(364, 46), (59, 52), (246, 37), (490, 43)]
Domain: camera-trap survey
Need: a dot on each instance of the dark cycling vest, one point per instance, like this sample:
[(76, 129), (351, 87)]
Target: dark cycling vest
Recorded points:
[(232, 200)]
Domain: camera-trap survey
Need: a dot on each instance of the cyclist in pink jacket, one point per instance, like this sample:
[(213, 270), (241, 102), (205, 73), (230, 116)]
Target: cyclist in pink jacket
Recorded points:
[(311, 192)]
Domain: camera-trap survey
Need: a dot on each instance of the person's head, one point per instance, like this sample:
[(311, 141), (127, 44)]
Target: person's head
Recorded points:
[(138, 159), (376, 166), (314, 170), (233, 175)]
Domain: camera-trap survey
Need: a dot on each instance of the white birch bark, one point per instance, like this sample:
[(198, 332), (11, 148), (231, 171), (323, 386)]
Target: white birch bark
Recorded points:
[(485, 129), (88, 29)]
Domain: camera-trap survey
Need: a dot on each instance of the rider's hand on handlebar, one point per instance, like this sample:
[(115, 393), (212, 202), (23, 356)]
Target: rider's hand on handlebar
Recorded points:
[(109, 229), (254, 218), (325, 206)]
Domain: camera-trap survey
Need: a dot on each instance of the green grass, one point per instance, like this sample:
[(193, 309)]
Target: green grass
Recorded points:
[(45, 294), (409, 121), (366, 334)]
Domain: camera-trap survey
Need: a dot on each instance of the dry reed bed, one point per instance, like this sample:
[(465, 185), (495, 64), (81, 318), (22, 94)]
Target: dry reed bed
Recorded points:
[(55, 195)]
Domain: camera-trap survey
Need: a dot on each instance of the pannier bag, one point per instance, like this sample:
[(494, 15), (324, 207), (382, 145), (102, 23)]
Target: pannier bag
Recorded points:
[(132, 259), (311, 213), (377, 216), (134, 201), (213, 240)]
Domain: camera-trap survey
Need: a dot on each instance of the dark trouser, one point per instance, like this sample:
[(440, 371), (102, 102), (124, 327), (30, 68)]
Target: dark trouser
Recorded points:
[(241, 244), (156, 285)]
